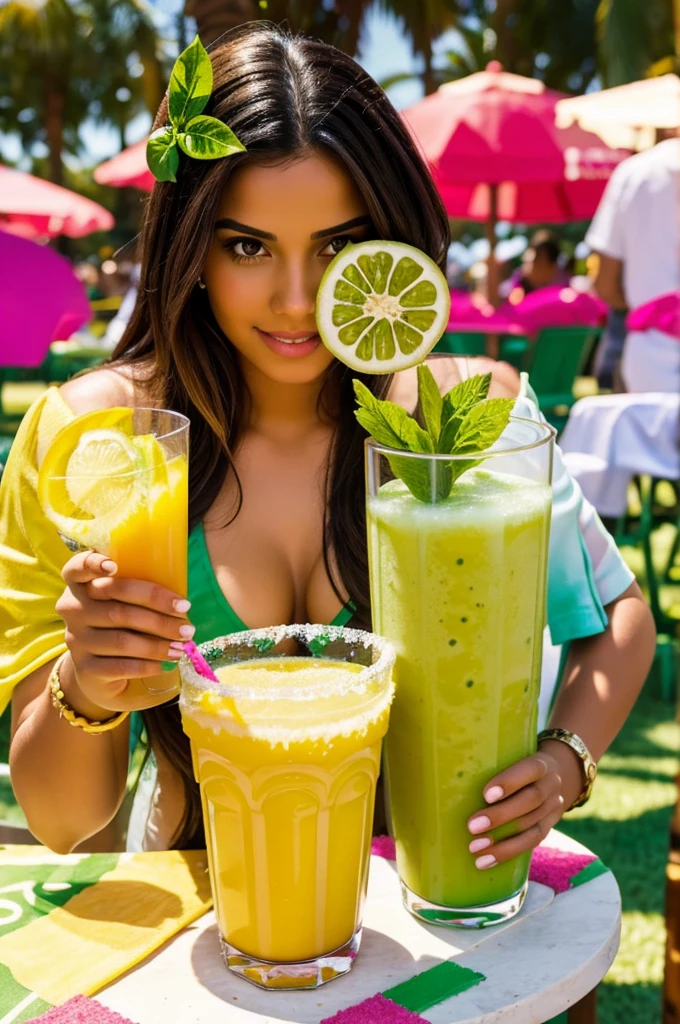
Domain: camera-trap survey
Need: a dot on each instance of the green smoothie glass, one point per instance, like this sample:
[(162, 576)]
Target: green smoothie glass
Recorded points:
[(459, 587)]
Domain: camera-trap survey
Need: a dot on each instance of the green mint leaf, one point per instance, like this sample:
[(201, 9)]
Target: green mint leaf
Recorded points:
[(430, 401), (206, 138), (447, 437), (464, 396), (190, 86), (483, 425), (388, 423), (162, 156), (415, 473)]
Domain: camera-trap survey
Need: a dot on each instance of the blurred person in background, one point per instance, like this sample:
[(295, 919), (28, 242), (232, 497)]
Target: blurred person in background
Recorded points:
[(636, 232), (88, 273), (542, 266)]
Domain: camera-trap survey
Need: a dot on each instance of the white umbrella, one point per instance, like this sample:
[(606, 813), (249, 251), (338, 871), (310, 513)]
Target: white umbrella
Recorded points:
[(626, 116)]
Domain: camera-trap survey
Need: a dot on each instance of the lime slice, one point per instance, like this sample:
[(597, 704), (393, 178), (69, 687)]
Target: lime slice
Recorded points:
[(382, 306)]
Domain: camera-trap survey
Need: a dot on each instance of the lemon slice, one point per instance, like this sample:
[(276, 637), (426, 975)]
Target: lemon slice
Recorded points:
[(382, 306), (99, 472), (91, 477)]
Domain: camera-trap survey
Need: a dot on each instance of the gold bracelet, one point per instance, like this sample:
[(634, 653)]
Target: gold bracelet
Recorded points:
[(581, 751), (71, 716)]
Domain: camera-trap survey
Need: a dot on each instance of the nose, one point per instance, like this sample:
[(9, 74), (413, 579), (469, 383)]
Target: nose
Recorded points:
[(294, 294)]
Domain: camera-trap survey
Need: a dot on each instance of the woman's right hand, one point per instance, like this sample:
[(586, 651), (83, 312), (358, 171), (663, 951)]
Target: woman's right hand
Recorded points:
[(118, 630)]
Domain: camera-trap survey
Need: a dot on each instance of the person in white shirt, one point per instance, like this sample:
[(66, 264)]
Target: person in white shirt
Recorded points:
[(636, 232)]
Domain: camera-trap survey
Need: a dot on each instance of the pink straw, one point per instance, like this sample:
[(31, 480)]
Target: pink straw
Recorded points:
[(198, 661)]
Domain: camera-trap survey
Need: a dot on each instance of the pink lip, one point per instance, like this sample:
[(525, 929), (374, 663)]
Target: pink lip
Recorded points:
[(303, 348)]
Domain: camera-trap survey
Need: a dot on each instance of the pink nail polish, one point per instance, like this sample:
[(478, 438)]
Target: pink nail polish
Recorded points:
[(174, 654), (177, 645), (480, 824), (479, 844), (494, 794), (487, 861)]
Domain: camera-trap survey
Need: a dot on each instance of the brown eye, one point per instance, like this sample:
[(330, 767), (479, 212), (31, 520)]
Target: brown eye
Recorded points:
[(336, 245), (248, 247)]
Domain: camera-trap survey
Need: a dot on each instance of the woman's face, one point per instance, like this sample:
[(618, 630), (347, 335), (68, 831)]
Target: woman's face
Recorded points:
[(277, 229)]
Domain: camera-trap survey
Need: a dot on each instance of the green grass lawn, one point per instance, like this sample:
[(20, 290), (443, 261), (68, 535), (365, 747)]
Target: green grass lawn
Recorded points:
[(626, 823)]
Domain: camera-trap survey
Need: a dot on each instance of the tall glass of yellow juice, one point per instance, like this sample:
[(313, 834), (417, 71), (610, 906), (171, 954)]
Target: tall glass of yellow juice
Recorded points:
[(286, 750), (116, 481), (459, 587)]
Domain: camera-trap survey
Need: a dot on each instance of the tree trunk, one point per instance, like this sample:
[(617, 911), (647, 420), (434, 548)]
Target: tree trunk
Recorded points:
[(54, 128), (215, 17), (429, 80)]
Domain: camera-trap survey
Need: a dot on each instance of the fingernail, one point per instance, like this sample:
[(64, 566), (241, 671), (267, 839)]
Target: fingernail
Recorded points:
[(182, 605), (187, 631), (109, 566), (479, 844), (174, 654), (494, 794), (480, 824), (487, 861), (176, 645)]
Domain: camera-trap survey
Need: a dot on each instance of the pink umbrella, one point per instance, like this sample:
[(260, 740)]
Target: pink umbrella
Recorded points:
[(661, 314), (127, 168), (47, 210), (41, 301), (494, 150), (554, 306)]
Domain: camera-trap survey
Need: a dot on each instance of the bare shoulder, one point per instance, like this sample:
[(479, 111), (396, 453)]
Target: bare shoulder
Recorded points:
[(107, 387), (450, 370)]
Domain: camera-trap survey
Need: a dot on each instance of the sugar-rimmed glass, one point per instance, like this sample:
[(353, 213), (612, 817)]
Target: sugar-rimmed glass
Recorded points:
[(286, 751)]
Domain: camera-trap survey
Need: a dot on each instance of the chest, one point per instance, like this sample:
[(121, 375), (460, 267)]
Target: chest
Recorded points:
[(264, 534)]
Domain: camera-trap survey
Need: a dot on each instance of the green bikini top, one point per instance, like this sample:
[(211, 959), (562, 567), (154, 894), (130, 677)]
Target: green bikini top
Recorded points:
[(211, 613)]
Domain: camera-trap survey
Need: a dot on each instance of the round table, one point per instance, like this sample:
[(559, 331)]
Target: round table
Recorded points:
[(547, 959)]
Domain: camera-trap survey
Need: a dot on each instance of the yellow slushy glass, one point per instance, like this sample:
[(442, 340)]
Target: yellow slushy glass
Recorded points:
[(123, 491), (286, 750)]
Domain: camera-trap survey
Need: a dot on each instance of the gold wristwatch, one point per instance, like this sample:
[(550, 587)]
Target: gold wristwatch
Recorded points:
[(581, 750)]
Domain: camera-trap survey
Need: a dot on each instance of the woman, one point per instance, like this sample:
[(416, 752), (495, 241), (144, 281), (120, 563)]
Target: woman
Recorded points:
[(224, 331)]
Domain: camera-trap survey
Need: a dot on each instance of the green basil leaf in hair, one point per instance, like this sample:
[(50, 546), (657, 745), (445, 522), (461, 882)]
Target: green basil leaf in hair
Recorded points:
[(190, 86), (206, 138), (162, 156)]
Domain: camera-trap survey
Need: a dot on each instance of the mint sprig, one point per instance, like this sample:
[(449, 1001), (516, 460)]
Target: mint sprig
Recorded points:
[(461, 422), (196, 134)]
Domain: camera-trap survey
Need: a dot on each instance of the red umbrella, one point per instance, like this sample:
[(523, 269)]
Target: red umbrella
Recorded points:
[(32, 206), (494, 150), (127, 168)]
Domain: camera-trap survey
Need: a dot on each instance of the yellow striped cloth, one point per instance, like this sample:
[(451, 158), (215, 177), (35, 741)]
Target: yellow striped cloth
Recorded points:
[(71, 924)]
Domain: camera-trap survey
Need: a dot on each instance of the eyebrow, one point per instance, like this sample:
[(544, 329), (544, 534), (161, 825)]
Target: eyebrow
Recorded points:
[(235, 225)]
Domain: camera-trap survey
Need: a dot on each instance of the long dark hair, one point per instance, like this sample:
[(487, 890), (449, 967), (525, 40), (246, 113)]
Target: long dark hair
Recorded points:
[(283, 95)]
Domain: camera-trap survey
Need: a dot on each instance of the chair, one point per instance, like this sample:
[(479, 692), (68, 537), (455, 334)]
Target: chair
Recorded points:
[(462, 343), (554, 360)]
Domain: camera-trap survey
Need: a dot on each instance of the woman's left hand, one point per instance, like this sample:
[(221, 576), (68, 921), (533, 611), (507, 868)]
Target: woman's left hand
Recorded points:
[(530, 797)]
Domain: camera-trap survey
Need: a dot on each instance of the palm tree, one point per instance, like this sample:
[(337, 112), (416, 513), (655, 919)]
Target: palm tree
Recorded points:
[(62, 62), (214, 17), (638, 39), (40, 56)]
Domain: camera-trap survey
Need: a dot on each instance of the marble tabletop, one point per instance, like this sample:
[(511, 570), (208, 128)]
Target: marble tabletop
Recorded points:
[(549, 957)]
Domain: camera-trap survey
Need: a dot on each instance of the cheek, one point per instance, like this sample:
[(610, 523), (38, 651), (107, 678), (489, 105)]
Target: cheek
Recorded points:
[(236, 294)]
